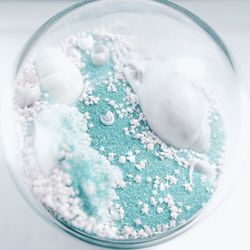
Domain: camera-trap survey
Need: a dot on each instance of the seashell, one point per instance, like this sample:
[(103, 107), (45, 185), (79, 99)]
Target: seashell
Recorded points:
[(99, 55), (107, 119), (203, 167), (58, 76), (175, 108)]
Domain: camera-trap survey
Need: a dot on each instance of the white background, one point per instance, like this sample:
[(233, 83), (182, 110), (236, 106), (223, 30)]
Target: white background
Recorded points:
[(227, 228)]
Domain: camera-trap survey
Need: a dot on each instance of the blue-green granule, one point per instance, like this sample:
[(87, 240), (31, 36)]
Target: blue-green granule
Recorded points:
[(113, 140)]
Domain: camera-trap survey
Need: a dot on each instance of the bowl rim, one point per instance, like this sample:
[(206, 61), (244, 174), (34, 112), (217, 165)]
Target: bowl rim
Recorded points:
[(81, 235)]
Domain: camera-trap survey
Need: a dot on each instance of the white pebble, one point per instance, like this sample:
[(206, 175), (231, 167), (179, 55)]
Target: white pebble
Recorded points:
[(99, 55)]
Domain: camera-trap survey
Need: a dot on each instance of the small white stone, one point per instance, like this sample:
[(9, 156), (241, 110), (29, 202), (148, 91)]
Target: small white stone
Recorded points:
[(99, 55), (107, 119), (149, 179)]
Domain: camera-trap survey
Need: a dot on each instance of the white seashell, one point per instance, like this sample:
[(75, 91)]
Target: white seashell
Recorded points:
[(27, 95), (107, 119), (99, 55), (175, 108), (58, 76), (203, 167)]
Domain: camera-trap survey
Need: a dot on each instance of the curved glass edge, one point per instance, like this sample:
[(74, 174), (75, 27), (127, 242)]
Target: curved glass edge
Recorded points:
[(122, 244)]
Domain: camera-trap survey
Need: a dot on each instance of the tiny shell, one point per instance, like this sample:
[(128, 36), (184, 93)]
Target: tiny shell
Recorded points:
[(107, 119), (175, 108), (58, 76)]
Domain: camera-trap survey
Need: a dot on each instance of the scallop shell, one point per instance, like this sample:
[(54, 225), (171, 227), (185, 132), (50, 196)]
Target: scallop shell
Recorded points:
[(175, 108), (58, 76)]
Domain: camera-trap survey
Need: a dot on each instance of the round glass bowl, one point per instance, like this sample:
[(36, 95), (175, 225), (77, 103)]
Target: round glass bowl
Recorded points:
[(125, 123)]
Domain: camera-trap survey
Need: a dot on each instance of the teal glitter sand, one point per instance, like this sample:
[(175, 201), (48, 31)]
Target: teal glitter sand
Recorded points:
[(112, 140), (125, 182)]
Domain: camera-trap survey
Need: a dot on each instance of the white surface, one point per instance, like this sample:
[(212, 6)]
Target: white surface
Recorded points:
[(21, 228)]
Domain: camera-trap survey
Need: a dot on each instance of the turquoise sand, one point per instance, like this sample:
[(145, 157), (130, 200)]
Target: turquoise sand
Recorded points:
[(113, 140)]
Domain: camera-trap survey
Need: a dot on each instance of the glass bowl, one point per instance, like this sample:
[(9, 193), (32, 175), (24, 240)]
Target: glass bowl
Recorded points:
[(167, 35)]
